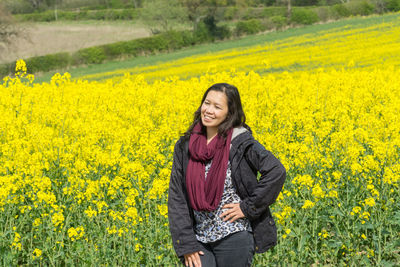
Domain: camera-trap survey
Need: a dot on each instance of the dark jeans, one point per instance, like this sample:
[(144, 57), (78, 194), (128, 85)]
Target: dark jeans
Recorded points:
[(234, 250)]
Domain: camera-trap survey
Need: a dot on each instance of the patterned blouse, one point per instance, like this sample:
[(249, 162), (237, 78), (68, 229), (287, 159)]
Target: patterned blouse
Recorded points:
[(209, 226)]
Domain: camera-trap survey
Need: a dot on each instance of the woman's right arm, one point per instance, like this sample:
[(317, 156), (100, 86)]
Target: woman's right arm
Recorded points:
[(180, 220)]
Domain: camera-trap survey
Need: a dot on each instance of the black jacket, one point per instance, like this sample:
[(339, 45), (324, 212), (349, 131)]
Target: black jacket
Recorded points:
[(247, 157)]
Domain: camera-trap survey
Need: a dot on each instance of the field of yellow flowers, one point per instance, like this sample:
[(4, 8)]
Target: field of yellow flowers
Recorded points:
[(84, 166)]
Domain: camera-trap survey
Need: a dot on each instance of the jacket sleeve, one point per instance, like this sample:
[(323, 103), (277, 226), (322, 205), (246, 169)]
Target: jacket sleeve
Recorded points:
[(180, 220), (273, 175)]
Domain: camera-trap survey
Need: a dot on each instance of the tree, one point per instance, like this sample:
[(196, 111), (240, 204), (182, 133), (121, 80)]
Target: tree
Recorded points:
[(9, 30), (55, 4), (158, 14), (137, 3), (289, 9), (198, 10), (288, 3), (36, 4)]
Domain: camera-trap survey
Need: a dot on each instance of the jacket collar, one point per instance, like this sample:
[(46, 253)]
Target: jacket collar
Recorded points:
[(240, 137)]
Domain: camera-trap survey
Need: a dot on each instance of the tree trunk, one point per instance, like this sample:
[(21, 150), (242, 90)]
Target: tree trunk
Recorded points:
[(55, 11), (289, 9)]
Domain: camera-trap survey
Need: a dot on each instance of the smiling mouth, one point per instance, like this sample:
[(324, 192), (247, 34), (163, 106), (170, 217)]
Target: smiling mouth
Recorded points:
[(208, 118)]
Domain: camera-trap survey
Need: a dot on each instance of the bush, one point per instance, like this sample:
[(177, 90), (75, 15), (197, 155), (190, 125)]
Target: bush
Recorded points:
[(251, 26), (6, 69), (360, 7), (154, 44), (304, 16), (253, 13), (323, 13), (202, 34), (279, 21), (188, 38), (216, 32), (42, 16), (48, 62), (274, 23), (273, 11), (18, 7), (165, 41), (109, 14), (222, 32), (230, 13), (91, 55), (115, 50), (392, 5), (341, 10), (305, 2)]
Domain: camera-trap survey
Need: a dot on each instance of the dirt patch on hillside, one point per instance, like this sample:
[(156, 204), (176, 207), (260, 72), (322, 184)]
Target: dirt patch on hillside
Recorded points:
[(51, 38)]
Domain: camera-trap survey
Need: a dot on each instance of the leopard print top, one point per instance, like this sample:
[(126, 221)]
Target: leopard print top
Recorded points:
[(209, 226)]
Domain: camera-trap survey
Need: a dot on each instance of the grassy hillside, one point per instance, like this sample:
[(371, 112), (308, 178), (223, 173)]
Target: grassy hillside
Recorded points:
[(152, 65)]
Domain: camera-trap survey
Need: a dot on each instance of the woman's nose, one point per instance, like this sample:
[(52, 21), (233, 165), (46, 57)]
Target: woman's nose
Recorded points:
[(209, 110)]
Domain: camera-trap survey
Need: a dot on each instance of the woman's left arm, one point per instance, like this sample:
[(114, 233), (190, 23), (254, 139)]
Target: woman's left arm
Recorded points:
[(273, 175)]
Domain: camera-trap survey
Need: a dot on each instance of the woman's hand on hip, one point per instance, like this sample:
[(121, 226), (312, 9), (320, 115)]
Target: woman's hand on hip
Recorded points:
[(193, 259), (233, 213)]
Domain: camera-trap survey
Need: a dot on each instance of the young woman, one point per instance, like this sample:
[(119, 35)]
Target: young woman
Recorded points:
[(217, 208)]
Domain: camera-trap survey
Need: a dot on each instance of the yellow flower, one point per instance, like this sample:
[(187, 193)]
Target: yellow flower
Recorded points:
[(323, 234), (90, 212), (308, 204), (369, 202), (76, 233), (36, 253), (355, 210), (163, 209), (17, 241), (363, 236), (317, 191), (138, 247)]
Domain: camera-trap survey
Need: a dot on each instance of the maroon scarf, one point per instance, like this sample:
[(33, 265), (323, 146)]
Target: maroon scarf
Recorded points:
[(205, 194)]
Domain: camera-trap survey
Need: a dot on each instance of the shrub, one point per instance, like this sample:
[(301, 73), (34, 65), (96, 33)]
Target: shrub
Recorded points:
[(114, 50), (202, 34), (253, 13), (177, 39), (392, 5), (251, 26), (273, 11), (48, 62), (304, 16), (230, 13), (91, 55), (360, 7), (124, 14), (42, 16), (341, 10), (130, 48), (323, 13), (69, 15), (156, 43), (6, 69), (188, 38), (222, 32), (216, 32), (279, 21)]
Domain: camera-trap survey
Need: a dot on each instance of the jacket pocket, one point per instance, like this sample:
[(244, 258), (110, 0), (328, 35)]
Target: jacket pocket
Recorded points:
[(265, 232)]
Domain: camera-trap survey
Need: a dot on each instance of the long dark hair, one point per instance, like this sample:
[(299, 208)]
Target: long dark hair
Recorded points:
[(235, 116)]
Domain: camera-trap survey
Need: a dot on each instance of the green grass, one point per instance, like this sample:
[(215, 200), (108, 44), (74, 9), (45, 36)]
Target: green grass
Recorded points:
[(356, 22)]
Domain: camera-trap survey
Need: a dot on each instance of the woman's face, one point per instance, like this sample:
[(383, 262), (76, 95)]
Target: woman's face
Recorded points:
[(214, 109)]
